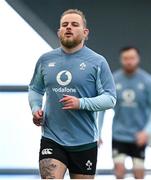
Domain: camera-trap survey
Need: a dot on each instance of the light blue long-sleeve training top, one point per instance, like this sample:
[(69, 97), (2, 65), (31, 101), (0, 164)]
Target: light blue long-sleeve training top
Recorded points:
[(133, 107), (83, 74)]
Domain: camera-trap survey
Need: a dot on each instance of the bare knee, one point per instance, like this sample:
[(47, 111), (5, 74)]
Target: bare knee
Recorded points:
[(119, 170), (51, 169), (119, 165)]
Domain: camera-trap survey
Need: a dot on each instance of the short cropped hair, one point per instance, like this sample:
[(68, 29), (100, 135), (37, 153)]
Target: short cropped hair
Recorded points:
[(75, 11), (127, 48)]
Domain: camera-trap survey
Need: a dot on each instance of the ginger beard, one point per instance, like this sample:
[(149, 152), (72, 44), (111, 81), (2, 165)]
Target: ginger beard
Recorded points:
[(70, 41)]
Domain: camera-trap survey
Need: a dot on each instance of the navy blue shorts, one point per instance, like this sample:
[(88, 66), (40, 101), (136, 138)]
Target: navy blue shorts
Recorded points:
[(130, 149), (77, 162)]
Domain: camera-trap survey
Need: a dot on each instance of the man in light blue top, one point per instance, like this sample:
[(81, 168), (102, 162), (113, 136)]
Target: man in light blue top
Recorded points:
[(132, 120), (78, 83)]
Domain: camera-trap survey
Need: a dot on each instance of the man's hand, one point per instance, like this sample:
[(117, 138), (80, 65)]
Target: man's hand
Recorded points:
[(142, 138), (70, 102), (99, 142), (38, 118)]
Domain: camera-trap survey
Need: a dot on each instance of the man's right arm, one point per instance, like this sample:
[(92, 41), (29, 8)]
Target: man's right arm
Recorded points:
[(35, 94), (35, 100)]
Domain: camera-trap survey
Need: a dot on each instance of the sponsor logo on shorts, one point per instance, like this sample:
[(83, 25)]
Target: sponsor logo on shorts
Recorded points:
[(46, 151), (89, 165)]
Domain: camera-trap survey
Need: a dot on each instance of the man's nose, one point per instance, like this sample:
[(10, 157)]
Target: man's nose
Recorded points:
[(69, 26)]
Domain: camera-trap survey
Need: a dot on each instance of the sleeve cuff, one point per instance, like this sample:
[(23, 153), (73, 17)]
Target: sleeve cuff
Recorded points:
[(82, 103), (35, 109)]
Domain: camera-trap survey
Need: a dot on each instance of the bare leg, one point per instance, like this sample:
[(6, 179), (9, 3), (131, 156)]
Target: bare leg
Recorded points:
[(52, 169), (119, 170), (138, 173), (81, 176), (138, 168), (119, 165)]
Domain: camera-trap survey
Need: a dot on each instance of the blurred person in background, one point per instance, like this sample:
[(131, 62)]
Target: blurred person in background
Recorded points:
[(77, 82), (132, 119)]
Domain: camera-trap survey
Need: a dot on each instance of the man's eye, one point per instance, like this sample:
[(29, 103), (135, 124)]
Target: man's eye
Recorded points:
[(75, 24), (64, 25)]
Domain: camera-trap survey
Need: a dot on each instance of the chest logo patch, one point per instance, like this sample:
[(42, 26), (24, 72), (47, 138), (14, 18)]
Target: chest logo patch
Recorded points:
[(118, 86), (141, 86), (52, 64), (82, 66), (64, 78), (129, 98)]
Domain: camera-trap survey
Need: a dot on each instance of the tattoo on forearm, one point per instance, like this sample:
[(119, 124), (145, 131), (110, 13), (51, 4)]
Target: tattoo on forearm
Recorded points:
[(47, 169)]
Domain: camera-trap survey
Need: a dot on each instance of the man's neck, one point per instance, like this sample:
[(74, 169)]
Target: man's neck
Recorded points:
[(72, 50), (130, 73)]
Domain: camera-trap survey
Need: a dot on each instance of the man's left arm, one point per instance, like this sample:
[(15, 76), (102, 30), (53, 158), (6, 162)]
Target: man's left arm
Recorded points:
[(106, 98), (144, 136), (106, 91), (147, 128)]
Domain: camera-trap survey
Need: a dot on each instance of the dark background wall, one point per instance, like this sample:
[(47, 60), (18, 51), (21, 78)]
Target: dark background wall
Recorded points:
[(112, 23)]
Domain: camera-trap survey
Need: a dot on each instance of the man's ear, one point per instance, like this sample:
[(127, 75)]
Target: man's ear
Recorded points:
[(86, 33)]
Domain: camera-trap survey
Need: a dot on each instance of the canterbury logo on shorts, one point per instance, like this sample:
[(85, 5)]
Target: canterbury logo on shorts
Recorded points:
[(46, 151)]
